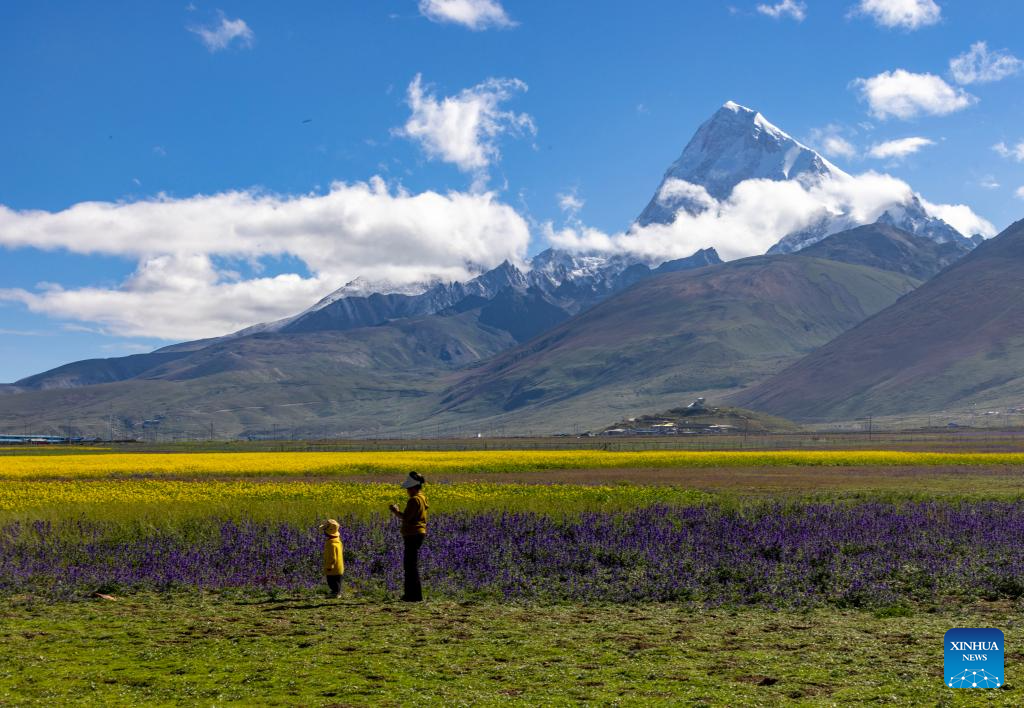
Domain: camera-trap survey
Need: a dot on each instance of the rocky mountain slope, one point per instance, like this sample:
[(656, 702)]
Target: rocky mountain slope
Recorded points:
[(889, 248), (667, 338), (956, 342)]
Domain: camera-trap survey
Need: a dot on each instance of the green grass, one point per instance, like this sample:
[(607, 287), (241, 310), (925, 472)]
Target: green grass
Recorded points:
[(203, 649)]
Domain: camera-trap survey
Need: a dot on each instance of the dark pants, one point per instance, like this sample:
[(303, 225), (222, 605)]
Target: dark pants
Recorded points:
[(413, 591), (334, 583)]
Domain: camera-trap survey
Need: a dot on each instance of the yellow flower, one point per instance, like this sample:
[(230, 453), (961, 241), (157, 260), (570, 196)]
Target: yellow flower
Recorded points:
[(326, 464)]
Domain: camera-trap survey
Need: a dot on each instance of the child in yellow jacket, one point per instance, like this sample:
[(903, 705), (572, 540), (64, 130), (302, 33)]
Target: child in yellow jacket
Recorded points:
[(334, 560)]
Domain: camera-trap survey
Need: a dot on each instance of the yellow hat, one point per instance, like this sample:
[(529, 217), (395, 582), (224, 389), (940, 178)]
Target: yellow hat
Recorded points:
[(330, 525)]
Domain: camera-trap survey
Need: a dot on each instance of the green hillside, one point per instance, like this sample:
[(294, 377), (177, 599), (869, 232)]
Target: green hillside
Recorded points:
[(956, 342), (356, 382), (705, 331)]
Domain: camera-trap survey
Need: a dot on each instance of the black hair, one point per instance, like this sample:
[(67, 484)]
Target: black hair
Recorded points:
[(418, 477)]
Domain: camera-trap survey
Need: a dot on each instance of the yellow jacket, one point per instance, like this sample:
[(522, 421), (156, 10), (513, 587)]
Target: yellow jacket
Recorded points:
[(334, 560), (414, 518)]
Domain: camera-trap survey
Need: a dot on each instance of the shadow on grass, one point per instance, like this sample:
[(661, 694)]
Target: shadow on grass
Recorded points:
[(305, 603)]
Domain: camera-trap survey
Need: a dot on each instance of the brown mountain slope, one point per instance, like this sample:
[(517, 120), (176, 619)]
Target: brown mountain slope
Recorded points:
[(886, 247), (712, 329), (313, 384), (955, 341)]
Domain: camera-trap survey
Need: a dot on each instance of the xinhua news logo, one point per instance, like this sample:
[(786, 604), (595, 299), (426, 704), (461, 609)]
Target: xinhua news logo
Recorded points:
[(974, 658)]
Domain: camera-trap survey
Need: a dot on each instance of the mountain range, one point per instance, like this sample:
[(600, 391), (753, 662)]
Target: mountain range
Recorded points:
[(705, 331), (567, 337)]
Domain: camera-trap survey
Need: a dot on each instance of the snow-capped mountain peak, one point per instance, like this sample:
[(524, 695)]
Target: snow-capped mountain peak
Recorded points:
[(736, 144), (362, 287)]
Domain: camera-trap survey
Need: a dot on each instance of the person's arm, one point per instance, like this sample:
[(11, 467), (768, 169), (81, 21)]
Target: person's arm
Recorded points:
[(396, 511)]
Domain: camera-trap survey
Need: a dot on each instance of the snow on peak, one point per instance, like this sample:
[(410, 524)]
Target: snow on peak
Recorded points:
[(736, 144), (759, 122), (364, 287)]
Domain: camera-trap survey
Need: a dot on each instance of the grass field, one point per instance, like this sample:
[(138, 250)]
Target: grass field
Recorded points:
[(305, 650), (780, 564)]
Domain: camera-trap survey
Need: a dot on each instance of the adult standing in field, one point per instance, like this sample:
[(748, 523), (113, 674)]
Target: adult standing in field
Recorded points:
[(414, 530)]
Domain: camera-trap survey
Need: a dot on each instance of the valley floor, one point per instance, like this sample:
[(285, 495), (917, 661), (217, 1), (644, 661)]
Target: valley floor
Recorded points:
[(303, 649)]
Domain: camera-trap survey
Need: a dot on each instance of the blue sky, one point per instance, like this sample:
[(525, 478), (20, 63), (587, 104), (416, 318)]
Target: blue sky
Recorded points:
[(131, 104)]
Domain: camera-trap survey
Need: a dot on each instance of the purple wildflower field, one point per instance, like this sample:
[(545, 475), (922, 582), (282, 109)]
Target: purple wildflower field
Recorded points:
[(868, 554)]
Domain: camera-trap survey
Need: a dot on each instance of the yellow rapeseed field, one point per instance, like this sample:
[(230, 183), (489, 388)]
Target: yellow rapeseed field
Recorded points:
[(162, 499), (317, 464)]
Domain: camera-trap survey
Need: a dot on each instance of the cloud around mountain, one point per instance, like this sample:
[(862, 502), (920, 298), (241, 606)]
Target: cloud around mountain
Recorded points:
[(757, 213), (184, 286), (749, 185)]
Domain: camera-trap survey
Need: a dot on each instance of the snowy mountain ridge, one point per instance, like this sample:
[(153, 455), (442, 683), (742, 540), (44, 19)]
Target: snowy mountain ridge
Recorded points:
[(738, 144), (556, 280)]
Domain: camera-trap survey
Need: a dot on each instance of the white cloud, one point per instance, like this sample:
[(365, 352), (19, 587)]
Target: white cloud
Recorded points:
[(907, 14), (474, 14), (978, 65), (898, 148), (1014, 152), (25, 333), (176, 298), (182, 288), (988, 182), (962, 218), (831, 142), (838, 146), (905, 95), (464, 129), (220, 36), (1020, 192), (570, 203), (787, 8), (758, 213), (676, 190)]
